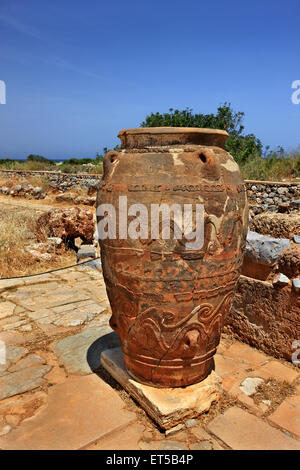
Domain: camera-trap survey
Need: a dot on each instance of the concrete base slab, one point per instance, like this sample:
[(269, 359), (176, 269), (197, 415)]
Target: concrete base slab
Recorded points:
[(167, 406)]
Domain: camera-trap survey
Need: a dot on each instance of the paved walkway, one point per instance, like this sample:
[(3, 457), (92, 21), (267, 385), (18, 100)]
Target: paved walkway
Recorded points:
[(55, 395)]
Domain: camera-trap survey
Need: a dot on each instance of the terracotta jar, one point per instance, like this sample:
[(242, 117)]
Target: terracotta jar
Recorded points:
[(169, 302)]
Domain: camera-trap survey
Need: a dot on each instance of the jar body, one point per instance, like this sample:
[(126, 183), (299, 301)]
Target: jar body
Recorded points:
[(169, 297)]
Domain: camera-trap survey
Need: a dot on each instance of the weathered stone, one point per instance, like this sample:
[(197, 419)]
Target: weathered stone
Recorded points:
[(24, 405), (74, 314), (276, 225), (13, 420), (79, 412), (47, 296), (281, 280), (250, 384), (68, 223), (40, 256), (6, 309), (296, 285), (22, 381), (80, 354), (86, 251), (174, 430), (283, 207), (11, 322), (10, 284), (277, 370), (289, 261), (190, 423), (125, 439), (14, 353), (167, 406), (287, 415), (203, 445), (243, 431), (295, 203), (163, 445), (264, 250), (282, 190), (296, 238), (95, 264), (28, 361), (4, 426), (264, 317), (53, 243), (85, 200)]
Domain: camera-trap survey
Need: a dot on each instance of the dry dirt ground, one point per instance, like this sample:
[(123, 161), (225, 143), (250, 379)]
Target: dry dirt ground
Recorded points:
[(17, 231)]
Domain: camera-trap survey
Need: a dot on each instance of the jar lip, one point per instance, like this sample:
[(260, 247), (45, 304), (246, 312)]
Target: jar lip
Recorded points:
[(172, 130)]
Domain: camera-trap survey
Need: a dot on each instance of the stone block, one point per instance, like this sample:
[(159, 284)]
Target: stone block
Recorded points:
[(243, 431), (168, 407), (265, 317)]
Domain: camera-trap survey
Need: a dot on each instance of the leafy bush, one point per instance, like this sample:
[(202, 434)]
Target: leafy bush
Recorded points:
[(241, 146), (39, 158), (255, 160)]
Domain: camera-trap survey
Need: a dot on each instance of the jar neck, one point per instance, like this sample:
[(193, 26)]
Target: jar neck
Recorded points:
[(145, 137)]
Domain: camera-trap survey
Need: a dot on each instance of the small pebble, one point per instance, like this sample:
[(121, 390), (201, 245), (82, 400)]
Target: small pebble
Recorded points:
[(281, 281)]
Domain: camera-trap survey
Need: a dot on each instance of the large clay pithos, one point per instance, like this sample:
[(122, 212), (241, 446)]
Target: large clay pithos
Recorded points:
[(169, 302)]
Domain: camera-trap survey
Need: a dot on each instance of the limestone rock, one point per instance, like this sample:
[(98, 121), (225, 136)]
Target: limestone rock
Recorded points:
[(163, 445), (86, 251), (28, 361), (289, 261), (250, 384), (263, 249), (6, 309), (86, 200), (22, 381), (264, 316), (68, 223), (296, 285), (295, 204), (167, 406), (72, 314), (80, 354), (281, 281), (276, 225)]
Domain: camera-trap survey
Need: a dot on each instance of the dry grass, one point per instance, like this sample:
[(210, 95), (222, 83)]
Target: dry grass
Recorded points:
[(274, 391), (271, 169), (41, 181), (14, 260)]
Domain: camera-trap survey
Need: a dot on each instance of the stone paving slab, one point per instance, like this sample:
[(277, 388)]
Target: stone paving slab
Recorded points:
[(125, 439), (241, 430), (80, 354), (6, 309), (46, 296), (287, 415), (10, 284), (79, 412), (167, 406), (22, 381), (71, 314), (245, 355)]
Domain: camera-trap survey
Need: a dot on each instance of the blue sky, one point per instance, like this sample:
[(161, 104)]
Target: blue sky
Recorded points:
[(77, 72)]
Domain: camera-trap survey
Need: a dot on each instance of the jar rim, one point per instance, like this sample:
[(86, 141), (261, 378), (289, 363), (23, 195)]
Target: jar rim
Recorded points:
[(172, 130)]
